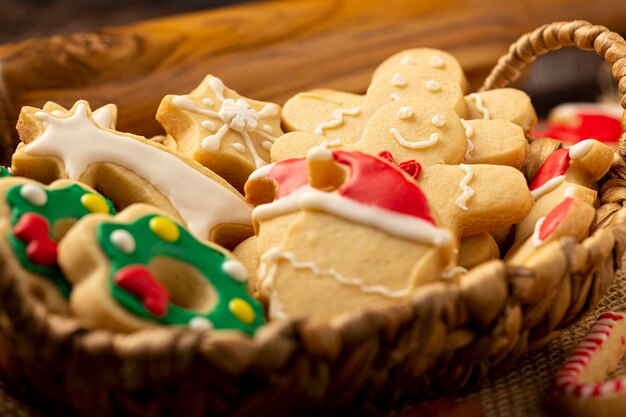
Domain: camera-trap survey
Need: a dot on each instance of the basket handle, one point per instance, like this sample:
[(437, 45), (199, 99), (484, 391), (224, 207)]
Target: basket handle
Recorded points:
[(552, 36)]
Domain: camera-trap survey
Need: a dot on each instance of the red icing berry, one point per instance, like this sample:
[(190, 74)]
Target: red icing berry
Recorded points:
[(375, 182), (411, 167), (289, 175), (34, 230), (554, 218), (138, 280), (598, 126), (555, 165)]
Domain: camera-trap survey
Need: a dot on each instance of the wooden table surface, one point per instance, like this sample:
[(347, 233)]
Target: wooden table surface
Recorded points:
[(268, 51)]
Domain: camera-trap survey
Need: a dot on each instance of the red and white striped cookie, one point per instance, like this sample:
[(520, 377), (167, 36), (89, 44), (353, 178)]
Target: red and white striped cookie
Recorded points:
[(581, 384)]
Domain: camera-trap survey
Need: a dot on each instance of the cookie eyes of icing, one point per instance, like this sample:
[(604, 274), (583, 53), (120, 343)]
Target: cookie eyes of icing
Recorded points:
[(34, 195), (165, 229), (123, 241)]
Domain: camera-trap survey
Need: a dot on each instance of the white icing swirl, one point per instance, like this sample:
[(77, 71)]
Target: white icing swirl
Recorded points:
[(338, 119), (467, 191)]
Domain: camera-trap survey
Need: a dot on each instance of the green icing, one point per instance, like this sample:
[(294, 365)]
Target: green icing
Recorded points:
[(62, 203), (4, 172), (189, 250)]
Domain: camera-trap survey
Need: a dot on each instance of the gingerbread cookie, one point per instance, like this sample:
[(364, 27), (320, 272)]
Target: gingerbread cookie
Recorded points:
[(224, 131), (428, 75), (581, 384), (246, 253), (129, 169), (140, 269), (33, 219), (578, 166), (503, 103), (477, 249), (358, 202)]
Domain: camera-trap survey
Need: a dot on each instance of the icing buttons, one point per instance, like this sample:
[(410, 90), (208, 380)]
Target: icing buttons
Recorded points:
[(123, 241), (164, 228), (235, 270), (34, 195), (433, 86), (405, 112), (242, 310), (94, 203)]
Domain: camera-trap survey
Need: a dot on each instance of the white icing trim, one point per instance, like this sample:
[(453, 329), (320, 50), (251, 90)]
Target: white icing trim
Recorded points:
[(479, 105), (581, 149), (261, 172), (34, 195), (535, 239), (397, 224), (434, 138), (394, 96), (319, 153), (103, 117), (123, 241), (235, 115), (549, 185), (454, 271), (331, 143), (235, 270), (438, 120), (337, 119), (405, 112), (273, 255), (468, 192), (78, 142), (469, 131)]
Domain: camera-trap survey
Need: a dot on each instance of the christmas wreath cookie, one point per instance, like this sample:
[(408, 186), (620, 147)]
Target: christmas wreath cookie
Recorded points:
[(33, 219), (140, 269), (582, 386)]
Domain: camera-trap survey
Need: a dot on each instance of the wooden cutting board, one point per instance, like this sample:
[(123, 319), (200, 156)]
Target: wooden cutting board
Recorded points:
[(268, 50)]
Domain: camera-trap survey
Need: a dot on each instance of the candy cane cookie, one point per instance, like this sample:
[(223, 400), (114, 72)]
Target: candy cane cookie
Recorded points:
[(581, 384), (141, 268), (129, 169), (33, 219)]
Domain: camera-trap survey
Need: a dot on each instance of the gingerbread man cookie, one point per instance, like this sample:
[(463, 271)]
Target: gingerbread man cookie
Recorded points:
[(129, 169), (426, 74), (227, 133), (358, 202), (578, 166), (582, 388), (33, 219), (503, 103), (140, 269)]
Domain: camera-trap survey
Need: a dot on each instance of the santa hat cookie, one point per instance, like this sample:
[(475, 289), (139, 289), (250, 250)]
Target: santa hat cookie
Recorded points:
[(578, 166), (366, 208)]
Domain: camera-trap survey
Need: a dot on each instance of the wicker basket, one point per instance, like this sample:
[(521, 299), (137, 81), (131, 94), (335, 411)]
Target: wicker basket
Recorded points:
[(446, 338)]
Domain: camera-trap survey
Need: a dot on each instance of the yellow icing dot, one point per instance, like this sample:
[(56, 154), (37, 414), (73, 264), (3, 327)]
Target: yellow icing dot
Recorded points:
[(164, 228), (94, 203), (241, 310)]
